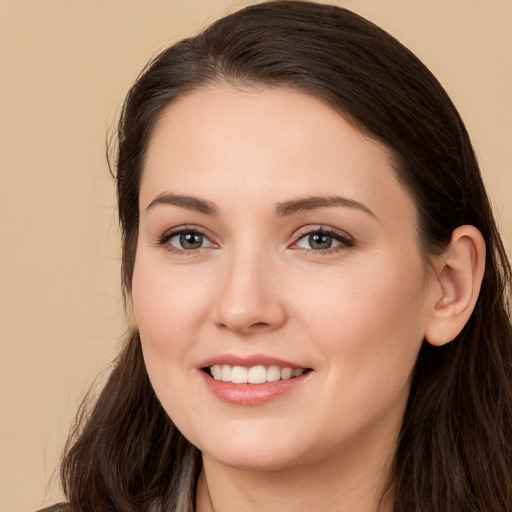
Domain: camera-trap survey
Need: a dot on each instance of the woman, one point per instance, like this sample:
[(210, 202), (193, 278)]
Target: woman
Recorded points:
[(319, 290)]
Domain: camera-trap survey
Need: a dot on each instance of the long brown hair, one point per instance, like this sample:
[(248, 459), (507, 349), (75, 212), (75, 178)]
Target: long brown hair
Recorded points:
[(454, 452)]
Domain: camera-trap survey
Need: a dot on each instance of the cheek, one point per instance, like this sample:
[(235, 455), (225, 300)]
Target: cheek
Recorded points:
[(372, 323), (167, 313), (164, 314), (369, 331), (168, 302)]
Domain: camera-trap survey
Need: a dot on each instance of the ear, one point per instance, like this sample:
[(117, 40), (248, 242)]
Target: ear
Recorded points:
[(458, 276)]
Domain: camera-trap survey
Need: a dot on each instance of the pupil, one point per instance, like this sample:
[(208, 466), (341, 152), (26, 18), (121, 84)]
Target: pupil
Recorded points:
[(320, 241), (191, 240)]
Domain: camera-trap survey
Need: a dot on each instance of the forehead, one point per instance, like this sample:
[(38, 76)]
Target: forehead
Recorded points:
[(276, 115), (263, 143)]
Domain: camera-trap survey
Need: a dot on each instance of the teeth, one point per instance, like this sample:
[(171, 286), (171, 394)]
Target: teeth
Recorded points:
[(225, 373), (257, 375), (216, 372), (239, 375), (253, 375), (286, 373), (273, 373)]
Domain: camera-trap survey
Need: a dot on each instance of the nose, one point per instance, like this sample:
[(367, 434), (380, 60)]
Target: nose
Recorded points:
[(250, 299)]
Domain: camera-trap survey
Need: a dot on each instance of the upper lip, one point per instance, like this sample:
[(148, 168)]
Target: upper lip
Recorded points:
[(249, 361)]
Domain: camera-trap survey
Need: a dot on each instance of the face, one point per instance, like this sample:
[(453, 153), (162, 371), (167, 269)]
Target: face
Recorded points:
[(279, 287)]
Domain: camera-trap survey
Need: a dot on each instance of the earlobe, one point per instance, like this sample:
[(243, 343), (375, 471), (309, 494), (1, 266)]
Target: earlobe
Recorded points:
[(459, 274)]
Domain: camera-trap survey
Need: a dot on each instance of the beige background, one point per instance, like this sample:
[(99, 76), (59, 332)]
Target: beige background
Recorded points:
[(64, 69)]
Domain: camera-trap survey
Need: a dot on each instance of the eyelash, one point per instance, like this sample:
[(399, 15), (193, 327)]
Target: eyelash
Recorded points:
[(345, 240)]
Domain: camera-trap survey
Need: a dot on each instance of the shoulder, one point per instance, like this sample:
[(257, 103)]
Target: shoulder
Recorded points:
[(59, 507)]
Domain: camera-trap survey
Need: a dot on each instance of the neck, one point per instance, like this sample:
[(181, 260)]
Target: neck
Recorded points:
[(358, 485)]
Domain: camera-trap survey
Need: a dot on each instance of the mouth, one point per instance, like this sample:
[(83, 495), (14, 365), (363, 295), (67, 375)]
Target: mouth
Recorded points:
[(254, 379), (258, 374)]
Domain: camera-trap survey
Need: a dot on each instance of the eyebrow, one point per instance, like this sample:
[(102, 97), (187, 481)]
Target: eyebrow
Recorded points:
[(188, 202), (282, 209), (314, 202)]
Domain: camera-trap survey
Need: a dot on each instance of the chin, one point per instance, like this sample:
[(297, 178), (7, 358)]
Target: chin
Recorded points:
[(246, 451), (255, 459)]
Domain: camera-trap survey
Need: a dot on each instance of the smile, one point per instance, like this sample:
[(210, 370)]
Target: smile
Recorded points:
[(253, 375)]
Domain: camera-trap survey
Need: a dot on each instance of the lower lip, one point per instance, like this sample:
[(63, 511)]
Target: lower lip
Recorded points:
[(252, 394)]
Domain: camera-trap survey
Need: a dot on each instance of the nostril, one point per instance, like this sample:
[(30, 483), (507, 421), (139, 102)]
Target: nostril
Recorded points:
[(259, 325)]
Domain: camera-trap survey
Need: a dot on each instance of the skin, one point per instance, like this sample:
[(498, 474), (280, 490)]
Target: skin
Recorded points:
[(356, 314)]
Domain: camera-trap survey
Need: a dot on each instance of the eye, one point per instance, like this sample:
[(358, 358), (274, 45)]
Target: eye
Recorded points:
[(317, 241), (184, 240), (187, 241), (324, 240)]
